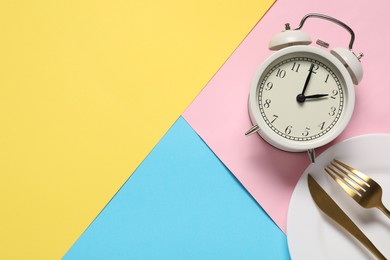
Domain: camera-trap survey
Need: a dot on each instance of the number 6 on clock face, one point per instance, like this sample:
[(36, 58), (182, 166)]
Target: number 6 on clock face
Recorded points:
[(301, 98)]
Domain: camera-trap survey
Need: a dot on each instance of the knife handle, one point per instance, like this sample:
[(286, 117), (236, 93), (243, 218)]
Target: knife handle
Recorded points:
[(364, 240), (355, 231)]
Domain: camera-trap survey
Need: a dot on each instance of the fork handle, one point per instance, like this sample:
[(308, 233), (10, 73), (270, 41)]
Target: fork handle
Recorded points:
[(384, 209)]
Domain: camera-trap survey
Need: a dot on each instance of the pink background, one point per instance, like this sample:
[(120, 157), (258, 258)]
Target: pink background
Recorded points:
[(220, 114)]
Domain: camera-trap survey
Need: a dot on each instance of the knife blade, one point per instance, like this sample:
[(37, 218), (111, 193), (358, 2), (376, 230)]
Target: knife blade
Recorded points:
[(328, 206)]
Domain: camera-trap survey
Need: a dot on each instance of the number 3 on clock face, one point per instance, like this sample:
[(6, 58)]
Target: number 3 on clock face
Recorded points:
[(301, 98)]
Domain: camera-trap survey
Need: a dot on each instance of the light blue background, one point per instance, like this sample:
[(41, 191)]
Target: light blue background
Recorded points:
[(181, 203)]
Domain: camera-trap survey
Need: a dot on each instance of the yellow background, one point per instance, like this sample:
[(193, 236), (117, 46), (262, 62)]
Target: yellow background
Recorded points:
[(87, 88)]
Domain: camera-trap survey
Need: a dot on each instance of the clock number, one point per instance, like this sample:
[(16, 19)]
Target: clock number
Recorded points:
[(275, 117), (295, 67), (267, 103), (288, 130), (335, 92), (269, 85), (315, 68), (306, 132), (280, 73), (327, 77), (322, 125), (332, 111)]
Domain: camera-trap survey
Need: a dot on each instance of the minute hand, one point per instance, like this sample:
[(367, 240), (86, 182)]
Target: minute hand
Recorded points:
[(307, 79)]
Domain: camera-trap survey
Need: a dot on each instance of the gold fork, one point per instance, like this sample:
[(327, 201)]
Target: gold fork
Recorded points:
[(364, 190)]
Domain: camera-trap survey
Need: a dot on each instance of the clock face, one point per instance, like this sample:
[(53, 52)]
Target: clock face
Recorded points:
[(301, 97)]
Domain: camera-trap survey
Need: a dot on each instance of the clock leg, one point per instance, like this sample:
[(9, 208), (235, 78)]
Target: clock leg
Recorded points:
[(253, 130), (312, 155)]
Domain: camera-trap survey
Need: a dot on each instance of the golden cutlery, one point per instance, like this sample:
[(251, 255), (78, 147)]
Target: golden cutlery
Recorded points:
[(332, 210), (363, 189)]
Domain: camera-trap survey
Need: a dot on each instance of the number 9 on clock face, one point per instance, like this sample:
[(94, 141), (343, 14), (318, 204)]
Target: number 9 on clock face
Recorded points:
[(301, 98)]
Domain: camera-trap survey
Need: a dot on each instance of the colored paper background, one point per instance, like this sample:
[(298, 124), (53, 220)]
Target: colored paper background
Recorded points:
[(181, 203), (220, 114), (87, 88)]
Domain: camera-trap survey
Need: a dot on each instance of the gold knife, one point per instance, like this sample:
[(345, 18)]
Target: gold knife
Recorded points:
[(332, 210)]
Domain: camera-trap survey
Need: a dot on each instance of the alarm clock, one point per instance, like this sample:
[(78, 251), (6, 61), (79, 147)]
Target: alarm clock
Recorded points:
[(302, 96)]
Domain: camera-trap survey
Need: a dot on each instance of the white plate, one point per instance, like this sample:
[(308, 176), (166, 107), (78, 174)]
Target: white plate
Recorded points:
[(312, 235)]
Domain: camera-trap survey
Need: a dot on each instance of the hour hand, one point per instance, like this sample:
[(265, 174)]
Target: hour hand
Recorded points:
[(301, 98), (316, 96)]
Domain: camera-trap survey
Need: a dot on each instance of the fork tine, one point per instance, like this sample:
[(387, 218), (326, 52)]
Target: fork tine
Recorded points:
[(350, 172), (350, 187), (364, 190), (361, 175)]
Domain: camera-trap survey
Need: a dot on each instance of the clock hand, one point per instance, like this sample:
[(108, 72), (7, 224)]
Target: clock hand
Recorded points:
[(317, 96), (301, 97), (307, 79)]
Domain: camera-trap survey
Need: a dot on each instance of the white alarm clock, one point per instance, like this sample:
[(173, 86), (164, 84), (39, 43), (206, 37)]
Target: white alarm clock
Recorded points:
[(302, 97)]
